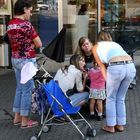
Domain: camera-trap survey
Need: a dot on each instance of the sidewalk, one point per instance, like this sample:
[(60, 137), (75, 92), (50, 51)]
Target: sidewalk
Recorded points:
[(67, 132)]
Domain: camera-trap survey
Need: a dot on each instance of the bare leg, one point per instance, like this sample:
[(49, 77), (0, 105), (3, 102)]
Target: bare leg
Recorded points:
[(17, 118), (100, 106), (25, 120), (92, 104)]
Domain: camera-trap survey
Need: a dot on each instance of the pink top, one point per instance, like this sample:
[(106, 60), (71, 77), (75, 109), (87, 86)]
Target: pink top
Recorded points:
[(97, 80)]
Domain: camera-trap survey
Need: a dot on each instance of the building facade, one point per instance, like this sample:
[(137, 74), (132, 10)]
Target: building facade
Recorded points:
[(80, 18)]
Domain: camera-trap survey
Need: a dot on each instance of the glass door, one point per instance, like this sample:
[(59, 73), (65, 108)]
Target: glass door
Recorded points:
[(87, 17), (80, 19)]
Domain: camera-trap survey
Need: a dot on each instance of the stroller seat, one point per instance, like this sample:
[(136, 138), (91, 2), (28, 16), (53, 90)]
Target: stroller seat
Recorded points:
[(54, 92)]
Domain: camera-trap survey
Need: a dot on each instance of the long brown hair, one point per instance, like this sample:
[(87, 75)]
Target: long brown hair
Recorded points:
[(79, 49), (74, 60)]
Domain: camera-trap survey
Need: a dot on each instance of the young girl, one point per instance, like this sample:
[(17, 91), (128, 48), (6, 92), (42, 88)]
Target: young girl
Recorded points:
[(97, 91)]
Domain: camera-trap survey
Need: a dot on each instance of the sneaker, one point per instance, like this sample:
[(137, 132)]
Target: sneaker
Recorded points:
[(104, 116), (131, 86), (99, 118), (93, 116)]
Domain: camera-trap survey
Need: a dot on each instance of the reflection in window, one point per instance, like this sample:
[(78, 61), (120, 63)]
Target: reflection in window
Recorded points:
[(111, 12)]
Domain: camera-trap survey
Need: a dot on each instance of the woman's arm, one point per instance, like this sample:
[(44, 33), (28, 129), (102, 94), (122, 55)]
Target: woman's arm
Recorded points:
[(99, 62), (85, 76), (37, 42), (81, 83), (58, 75)]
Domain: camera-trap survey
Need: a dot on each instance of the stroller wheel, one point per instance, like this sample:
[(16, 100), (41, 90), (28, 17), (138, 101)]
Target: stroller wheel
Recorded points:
[(85, 138), (35, 138), (91, 132), (46, 128), (131, 86)]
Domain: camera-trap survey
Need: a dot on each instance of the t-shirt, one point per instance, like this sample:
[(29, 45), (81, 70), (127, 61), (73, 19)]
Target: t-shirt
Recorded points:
[(68, 79), (21, 34), (97, 80), (89, 61)]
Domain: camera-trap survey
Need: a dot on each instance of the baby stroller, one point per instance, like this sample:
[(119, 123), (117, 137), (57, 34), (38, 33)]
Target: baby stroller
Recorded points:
[(39, 99), (59, 103), (60, 106)]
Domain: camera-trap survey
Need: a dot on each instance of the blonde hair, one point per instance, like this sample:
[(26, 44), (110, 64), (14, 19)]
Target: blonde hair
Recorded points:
[(104, 36)]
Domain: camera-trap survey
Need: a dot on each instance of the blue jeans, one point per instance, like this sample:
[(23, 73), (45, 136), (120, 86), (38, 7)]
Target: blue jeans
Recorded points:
[(118, 80), (77, 98), (23, 96)]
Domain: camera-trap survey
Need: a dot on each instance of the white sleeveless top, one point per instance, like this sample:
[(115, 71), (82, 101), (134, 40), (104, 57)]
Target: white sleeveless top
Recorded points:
[(108, 49), (69, 79)]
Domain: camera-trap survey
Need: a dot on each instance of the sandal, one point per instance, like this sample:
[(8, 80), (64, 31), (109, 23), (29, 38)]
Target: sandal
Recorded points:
[(17, 123), (119, 128), (30, 124), (108, 129)]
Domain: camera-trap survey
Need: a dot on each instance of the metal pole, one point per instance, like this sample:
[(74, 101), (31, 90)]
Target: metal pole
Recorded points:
[(99, 15), (12, 8), (60, 15)]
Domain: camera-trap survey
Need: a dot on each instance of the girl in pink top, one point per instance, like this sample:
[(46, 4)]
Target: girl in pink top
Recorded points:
[(97, 90)]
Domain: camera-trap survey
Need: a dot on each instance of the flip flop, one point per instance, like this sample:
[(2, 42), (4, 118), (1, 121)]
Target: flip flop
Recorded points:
[(119, 129), (17, 123), (107, 129), (30, 124)]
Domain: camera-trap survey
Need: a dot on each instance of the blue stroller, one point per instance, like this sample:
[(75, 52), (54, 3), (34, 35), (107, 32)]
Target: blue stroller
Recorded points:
[(60, 106)]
